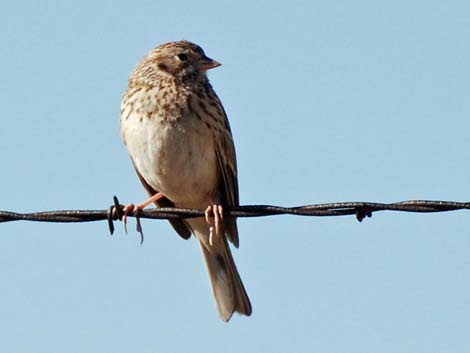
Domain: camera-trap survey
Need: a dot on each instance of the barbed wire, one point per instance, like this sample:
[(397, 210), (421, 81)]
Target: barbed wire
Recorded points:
[(360, 209)]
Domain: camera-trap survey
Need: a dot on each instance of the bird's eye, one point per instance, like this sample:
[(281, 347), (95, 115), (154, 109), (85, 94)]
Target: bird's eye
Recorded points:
[(182, 56)]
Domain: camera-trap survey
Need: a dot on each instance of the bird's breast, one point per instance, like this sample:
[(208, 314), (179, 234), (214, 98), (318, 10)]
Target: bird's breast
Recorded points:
[(174, 153)]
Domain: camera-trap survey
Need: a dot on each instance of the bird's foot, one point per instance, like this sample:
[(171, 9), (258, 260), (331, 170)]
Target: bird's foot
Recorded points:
[(214, 222), (129, 209), (132, 209), (122, 212)]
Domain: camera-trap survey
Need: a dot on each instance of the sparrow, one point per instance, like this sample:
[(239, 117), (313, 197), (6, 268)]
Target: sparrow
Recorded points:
[(180, 143)]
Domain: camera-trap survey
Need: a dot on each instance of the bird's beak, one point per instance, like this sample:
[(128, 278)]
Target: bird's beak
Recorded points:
[(207, 64)]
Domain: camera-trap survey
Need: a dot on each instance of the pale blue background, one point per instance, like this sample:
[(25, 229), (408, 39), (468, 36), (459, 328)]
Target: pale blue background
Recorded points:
[(328, 101)]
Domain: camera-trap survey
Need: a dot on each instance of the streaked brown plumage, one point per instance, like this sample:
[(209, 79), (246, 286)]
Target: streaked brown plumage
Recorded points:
[(180, 143)]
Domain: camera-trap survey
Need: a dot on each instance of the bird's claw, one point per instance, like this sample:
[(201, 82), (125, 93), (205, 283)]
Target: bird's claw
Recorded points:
[(129, 209), (214, 222), (138, 226), (135, 211)]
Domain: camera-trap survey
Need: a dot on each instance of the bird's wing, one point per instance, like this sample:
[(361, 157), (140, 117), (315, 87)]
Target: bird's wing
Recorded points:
[(228, 188)]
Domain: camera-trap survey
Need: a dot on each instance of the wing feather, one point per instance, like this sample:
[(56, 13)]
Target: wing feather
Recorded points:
[(228, 187)]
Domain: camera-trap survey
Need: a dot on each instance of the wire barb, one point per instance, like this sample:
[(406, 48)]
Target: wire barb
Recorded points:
[(115, 212), (363, 212)]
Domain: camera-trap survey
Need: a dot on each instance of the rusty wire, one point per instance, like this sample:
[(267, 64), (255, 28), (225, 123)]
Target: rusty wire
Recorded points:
[(359, 209)]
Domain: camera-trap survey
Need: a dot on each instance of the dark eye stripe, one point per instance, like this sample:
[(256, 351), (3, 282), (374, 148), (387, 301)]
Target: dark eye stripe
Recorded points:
[(162, 67)]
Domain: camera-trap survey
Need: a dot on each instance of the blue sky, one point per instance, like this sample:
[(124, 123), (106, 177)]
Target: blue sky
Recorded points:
[(328, 101)]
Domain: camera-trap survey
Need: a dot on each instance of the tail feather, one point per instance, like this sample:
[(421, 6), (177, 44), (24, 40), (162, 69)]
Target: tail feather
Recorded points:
[(227, 287)]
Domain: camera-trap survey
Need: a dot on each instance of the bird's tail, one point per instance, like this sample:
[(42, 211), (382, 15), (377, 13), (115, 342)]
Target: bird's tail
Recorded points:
[(227, 286)]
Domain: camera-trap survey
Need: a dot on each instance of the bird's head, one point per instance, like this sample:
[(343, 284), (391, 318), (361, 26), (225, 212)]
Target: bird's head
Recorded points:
[(182, 60)]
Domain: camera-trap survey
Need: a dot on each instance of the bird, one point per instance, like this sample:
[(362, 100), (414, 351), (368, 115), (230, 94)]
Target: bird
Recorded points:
[(180, 142)]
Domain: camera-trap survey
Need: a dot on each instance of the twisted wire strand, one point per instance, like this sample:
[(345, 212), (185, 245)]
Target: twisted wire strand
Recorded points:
[(359, 209)]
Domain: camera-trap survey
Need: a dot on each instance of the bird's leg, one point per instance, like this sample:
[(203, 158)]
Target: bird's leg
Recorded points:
[(131, 208), (215, 223)]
